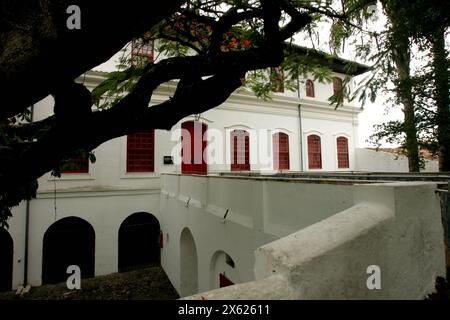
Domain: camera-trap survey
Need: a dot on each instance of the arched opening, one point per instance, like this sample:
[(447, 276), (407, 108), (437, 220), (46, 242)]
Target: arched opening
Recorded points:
[(6, 260), (222, 270), (138, 241), (188, 264), (69, 241), (193, 142)]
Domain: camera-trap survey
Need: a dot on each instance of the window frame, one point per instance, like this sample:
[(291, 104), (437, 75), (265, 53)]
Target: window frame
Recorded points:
[(312, 164), (278, 151), (128, 165), (309, 88), (346, 164)]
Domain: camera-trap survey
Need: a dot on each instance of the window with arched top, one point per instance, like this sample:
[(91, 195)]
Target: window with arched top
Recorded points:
[(337, 85), (280, 151), (342, 153), (314, 152), (240, 150), (310, 89)]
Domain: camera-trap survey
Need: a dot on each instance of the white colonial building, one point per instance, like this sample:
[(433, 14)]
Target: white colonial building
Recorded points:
[(143, 200)]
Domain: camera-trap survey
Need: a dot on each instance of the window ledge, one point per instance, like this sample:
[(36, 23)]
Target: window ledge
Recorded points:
[(140, 175), (73, 177)]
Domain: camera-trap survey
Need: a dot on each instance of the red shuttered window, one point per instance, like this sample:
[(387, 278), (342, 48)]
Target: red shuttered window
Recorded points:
[(314, 152), (240, 150), (142, 52), (342, 153), (337, 85), (280, 151), (141, 151), (310, 89), (79, 164), (277, 78)]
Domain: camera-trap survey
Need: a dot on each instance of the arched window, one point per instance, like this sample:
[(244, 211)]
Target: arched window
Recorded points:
[(240, 150), (141, 151), (337, 85), (314, 152), (280, 151), (310, 89), (277, 78), (342, 153)]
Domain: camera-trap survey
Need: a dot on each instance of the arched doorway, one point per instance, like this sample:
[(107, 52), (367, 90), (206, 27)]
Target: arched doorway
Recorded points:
[(188, 264), (138, 241), (6, 260), (223, 270), (69, 241)]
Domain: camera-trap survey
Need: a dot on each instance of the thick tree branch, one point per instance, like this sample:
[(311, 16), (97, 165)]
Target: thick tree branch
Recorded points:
[(38, 51)]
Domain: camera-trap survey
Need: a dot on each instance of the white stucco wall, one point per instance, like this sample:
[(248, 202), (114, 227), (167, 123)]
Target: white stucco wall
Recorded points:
[(103, 210), (396, 227), (379, 161), (258, 211)]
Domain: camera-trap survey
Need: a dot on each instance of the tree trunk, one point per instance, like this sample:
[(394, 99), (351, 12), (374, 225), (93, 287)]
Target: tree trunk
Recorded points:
[(401, 55), (442, 97)]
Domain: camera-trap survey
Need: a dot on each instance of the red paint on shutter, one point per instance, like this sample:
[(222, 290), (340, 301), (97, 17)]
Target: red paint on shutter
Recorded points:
[(310, 89), (314, 152), (141, 151), (224, 281), (78, 164), (281, 151), (193, 147), (337, 85), (342, 153), (240, 150)]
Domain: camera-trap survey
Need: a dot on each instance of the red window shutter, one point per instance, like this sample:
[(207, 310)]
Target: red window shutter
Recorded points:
[(141, 151), (224, 281), (310, 89), (277, 77), (281, 151), (240, 150), (193, 147), (342, 153), (314, 152), (79, 164), (142, 52), (337, 85)]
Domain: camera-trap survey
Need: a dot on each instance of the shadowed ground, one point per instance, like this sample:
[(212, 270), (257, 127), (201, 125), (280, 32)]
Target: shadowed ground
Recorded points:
[(150, 283)]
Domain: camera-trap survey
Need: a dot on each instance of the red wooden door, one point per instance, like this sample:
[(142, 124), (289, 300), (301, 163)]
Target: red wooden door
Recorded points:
[(240, 150), (193, 147)]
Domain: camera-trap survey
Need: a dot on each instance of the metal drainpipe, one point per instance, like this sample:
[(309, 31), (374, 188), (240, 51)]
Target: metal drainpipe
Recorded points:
[(300, 126), (27, 227)]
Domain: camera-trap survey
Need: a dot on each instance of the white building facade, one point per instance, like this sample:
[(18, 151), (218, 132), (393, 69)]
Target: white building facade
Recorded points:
[(100, 203)]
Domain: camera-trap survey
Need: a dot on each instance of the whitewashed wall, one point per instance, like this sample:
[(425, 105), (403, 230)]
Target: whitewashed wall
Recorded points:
[(379, 161), (395, 227), (104, 210), (257, 212)]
